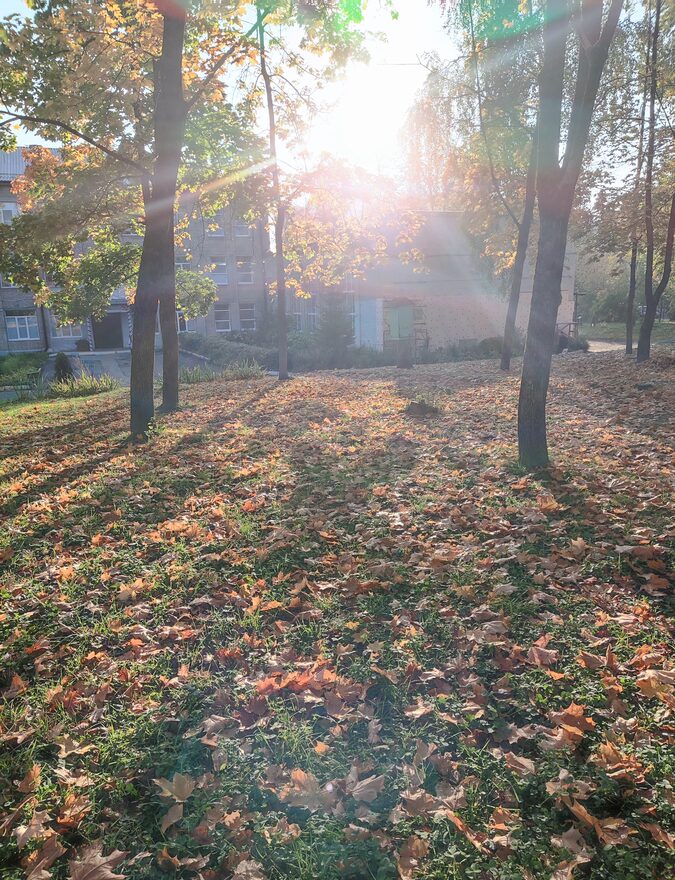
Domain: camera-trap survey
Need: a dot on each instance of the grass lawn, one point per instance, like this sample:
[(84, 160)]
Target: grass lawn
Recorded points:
[(305, 633), (664, 331)]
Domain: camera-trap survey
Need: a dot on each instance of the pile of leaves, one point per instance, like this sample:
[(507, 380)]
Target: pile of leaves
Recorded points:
[(304, 633)]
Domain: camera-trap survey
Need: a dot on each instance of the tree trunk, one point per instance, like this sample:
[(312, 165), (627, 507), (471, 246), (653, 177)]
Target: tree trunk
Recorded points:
[(644, 340), (519, 261), (280, 219), (148, 287), (630, 301), (170, 113), (632, 283), (556, 185), (282, 321), (645, 336), (532, 442), (651, 303), (156, 277)]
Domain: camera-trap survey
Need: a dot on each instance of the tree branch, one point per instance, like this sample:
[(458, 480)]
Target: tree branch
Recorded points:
[(189, 104), (40, 120)]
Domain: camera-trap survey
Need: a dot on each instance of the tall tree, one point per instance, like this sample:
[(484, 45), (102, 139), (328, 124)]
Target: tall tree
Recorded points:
[(556, 185), (653, 293), (106, 81)]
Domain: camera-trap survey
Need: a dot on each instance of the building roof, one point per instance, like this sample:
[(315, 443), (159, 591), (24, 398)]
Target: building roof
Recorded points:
[(11, 165)]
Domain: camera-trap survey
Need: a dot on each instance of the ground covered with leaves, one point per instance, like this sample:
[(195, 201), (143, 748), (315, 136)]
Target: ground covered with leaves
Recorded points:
[(329, 629)]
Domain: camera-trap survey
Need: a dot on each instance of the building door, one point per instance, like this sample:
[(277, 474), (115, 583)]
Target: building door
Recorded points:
[(108, 331)]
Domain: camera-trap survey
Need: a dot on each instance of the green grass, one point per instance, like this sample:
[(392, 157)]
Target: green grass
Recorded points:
[(664, 331), (303, 578)]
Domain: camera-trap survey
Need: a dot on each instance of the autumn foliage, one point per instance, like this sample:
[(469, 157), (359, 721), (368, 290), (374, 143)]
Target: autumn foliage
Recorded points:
[(305, 633)]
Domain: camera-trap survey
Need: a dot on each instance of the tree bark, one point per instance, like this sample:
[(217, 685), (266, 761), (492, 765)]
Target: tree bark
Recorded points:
[(651, 301), (280, 209), (632, 282), (519, 261), (556, 186), (170, 113), (645, 337), (630, 299), (156, 278)]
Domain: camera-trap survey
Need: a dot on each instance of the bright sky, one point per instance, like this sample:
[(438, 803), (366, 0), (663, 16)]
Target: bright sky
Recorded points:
[(366, 106)]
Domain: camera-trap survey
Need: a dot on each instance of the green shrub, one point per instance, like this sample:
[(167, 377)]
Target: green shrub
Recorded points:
[(199, 373), (21, 369), (63, 369), (579, 344), (82, 386)]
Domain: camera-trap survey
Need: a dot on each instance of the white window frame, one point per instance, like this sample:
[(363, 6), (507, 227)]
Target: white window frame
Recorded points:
[(189, 325), (215, 225), (222, 321), (68, 331), (246, 270), (219, 273), (249, 321), (7, 283), (242, 230), (8, 211), (183, 264), (22, 325)]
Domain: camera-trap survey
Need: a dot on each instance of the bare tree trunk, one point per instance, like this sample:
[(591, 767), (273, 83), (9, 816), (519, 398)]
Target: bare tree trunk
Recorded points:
[(170, 113), (644, 340), (280, 218), (630, 299), (556, 186), (156, 277), (645, 337), (519, 261), (632, 283)]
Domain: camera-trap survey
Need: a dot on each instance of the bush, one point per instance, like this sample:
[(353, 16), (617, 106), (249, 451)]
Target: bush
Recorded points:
[(245, 370), (82, 386), (21, 369), (227, 352), (82, 345), (63, 369)]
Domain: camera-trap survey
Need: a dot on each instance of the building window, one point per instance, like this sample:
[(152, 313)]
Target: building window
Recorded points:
[(222, 315), (68, 331), (185, 325), (6, 281), (295, 321), (245, 270), (183, 264), (219, 270), (7, 212), (242, 230), (247, 316), (312, 317), (21, 325), (215, 225)]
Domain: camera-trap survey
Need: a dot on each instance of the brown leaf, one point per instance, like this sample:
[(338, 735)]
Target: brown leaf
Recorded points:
[(522, 766), (542, 656), (38, 863), (178, 789), (173, 815), (367, 789), (249, 870), (17, 687), (410, 855), (91, 864), (31, 780), (38, 827)]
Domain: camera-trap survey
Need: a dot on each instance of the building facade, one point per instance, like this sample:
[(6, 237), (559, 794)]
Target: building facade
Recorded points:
[(444, 298), (229, 250)]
